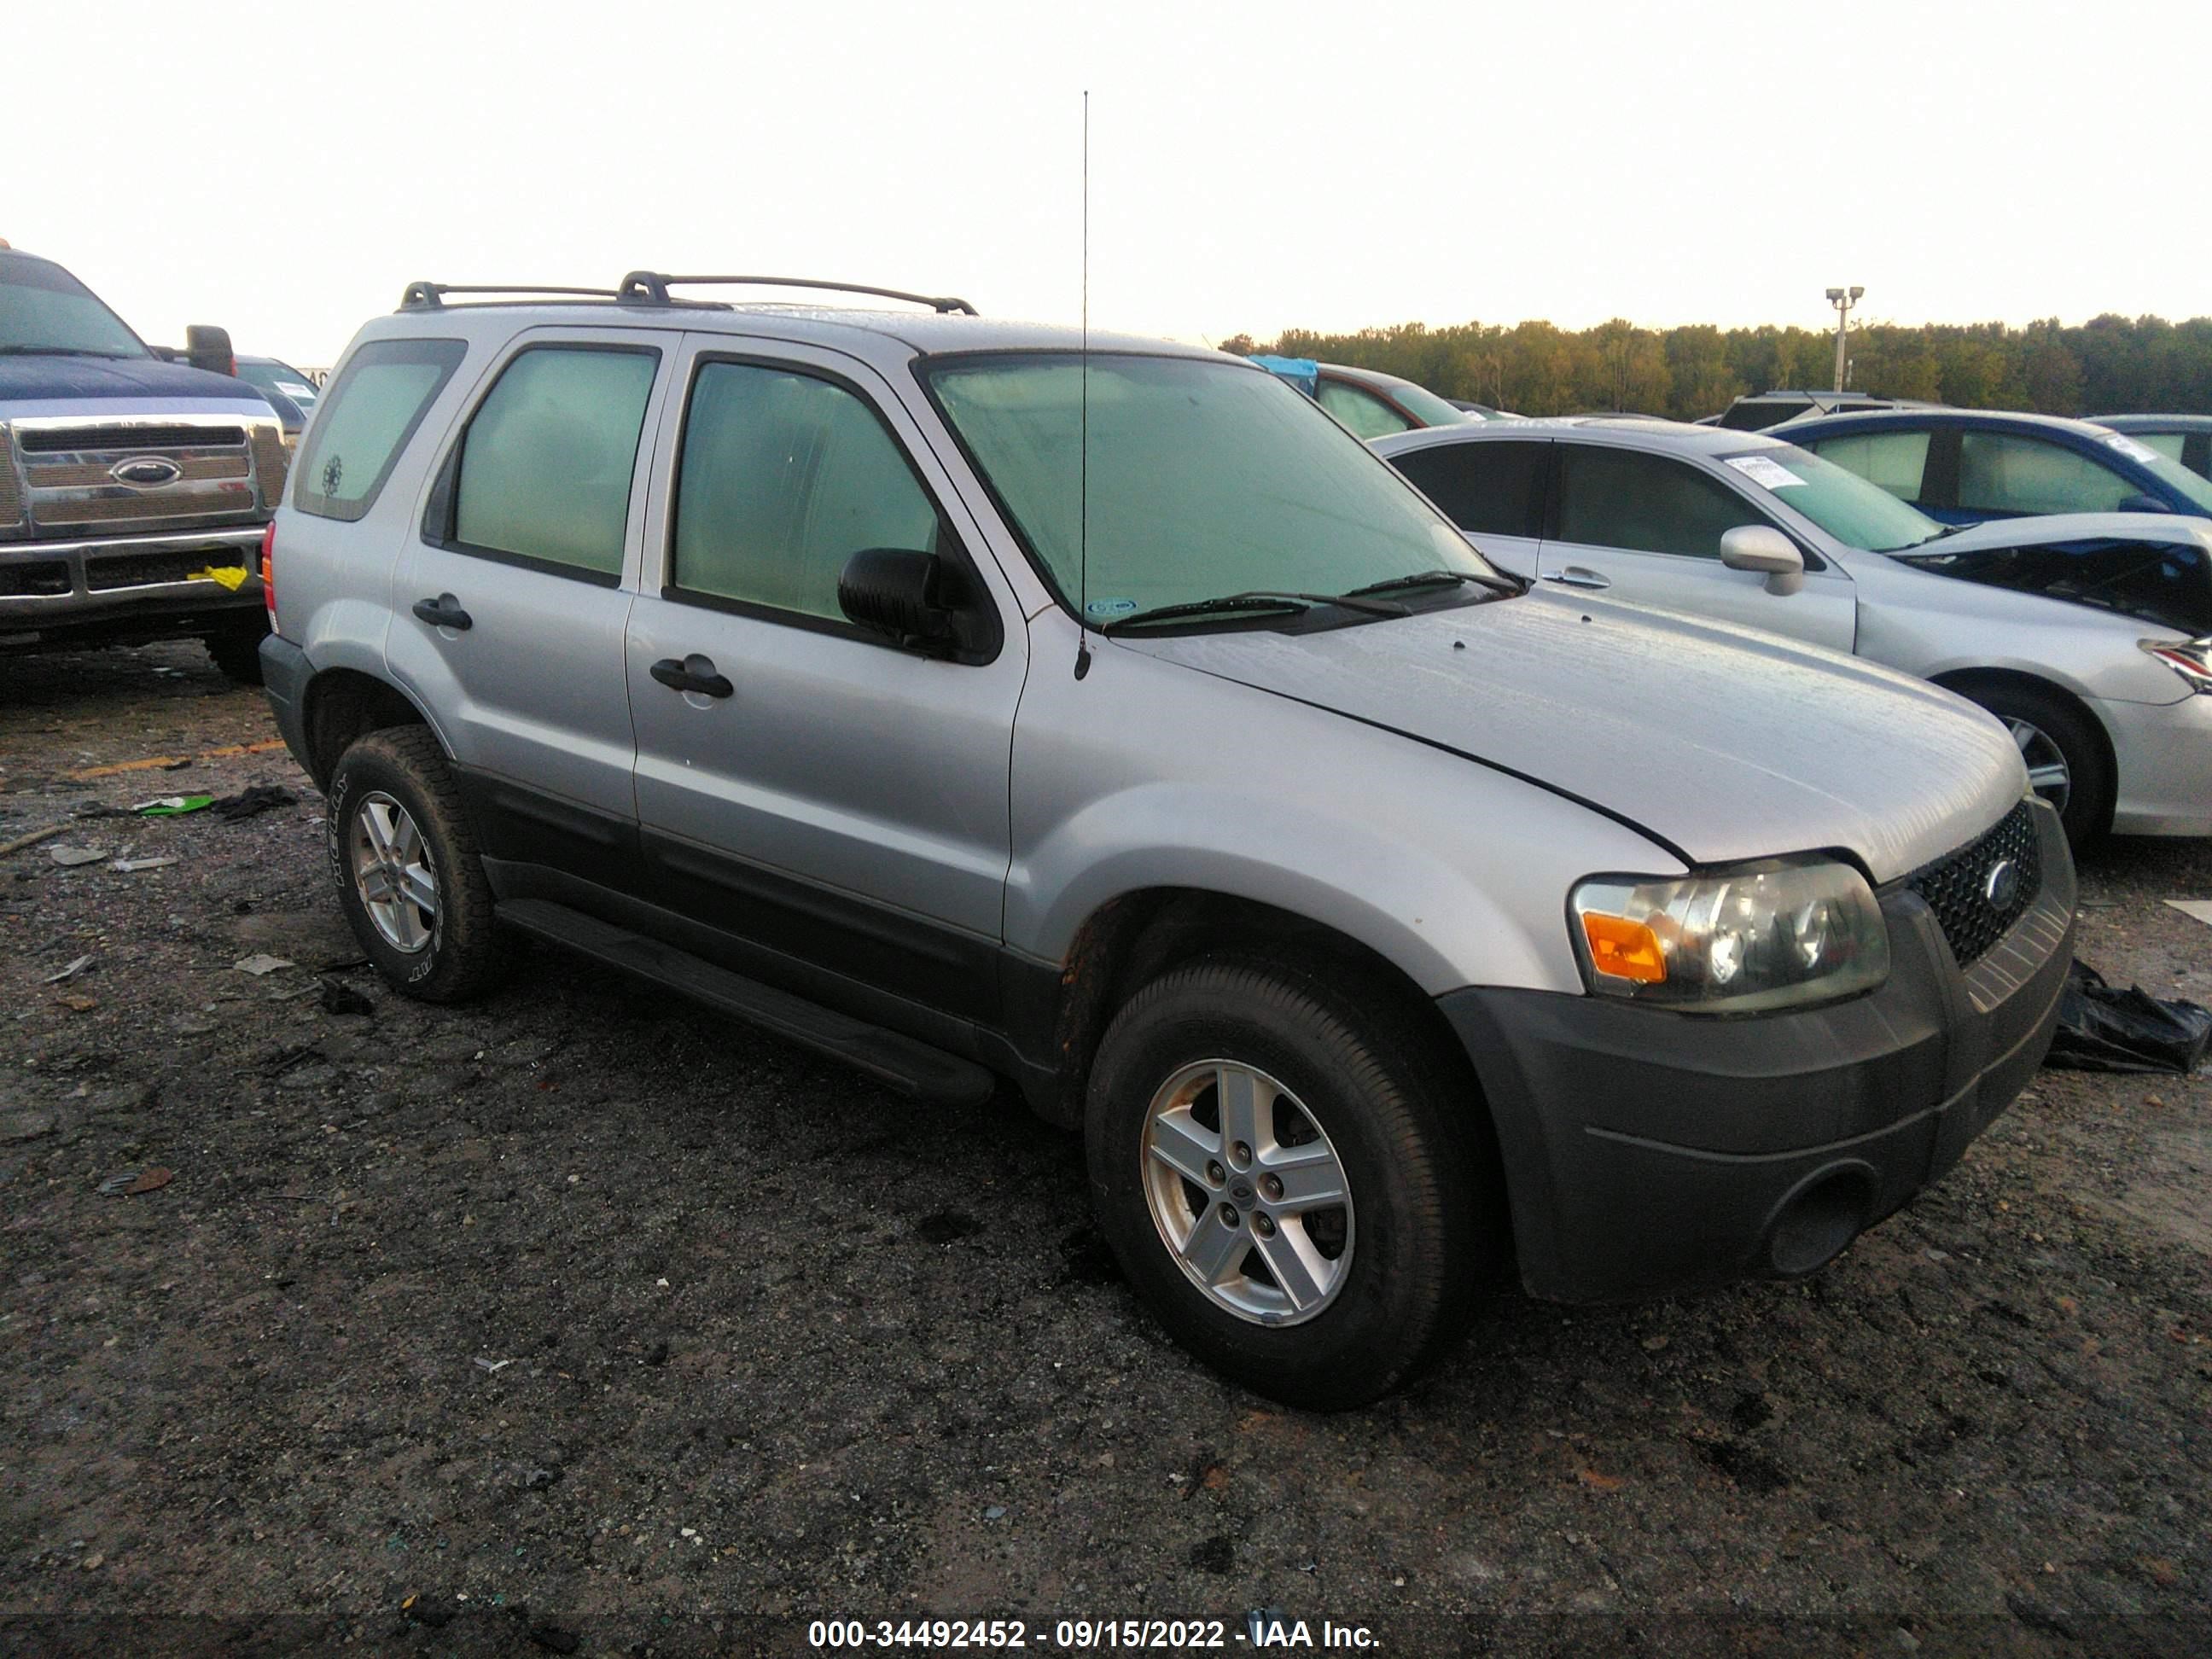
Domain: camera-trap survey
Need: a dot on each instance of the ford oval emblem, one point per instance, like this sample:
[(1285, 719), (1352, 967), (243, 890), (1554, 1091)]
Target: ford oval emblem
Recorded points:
[(2000, 887), (146, 471)]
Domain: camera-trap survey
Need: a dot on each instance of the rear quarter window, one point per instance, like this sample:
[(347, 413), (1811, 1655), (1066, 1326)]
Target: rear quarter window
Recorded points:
[(370, 411)]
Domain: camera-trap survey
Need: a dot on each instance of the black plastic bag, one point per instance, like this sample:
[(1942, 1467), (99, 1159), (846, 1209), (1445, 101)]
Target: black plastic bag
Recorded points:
[(2101, 1030)]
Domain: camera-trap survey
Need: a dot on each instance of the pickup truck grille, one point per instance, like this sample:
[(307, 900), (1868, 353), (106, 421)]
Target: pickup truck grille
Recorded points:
[(1957, 885), (76, 477)]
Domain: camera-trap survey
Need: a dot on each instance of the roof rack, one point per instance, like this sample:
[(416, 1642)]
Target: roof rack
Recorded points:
[(651, 287), (421, 296)]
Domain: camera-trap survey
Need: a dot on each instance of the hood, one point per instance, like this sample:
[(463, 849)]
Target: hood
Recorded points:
[(2154, 566), (46, 380), (1720, 742)]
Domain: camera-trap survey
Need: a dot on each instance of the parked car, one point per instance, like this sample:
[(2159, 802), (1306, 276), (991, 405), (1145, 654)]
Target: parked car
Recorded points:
[(134, 491), (1369, 402), (2183, 438), (1757, 411), (2086, 635), (289, 391), (1111, 722), (1481, 411), (1965, 465)]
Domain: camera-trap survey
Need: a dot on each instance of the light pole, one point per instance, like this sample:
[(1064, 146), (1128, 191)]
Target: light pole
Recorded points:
[(1843, 299)]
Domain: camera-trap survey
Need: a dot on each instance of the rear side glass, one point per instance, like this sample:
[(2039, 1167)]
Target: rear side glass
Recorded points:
[(1486, 489), (1896, 461), (2168, 444), (1369, 416), (546, 465), (371, 411), (2000, 472)]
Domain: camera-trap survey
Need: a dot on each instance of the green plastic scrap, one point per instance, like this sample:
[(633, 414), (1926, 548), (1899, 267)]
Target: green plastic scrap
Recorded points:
[(170, 806)]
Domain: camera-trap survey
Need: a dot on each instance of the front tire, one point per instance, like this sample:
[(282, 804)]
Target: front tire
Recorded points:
[(1284, 1180), (410, 880), (2065, 755)]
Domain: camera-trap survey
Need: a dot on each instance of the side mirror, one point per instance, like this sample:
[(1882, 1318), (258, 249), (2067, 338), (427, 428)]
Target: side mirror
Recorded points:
[(1761, 547), (2144, 504), (208, 347), (900, 593)]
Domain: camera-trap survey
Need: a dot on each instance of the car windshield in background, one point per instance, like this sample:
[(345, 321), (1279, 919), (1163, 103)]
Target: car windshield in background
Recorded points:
[(2176, 476), (1430, 409), (279, 378), (44, 310), (1856, 513), (1206, 479)]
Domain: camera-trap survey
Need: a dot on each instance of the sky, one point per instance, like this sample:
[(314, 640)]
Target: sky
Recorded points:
[(284, 169)]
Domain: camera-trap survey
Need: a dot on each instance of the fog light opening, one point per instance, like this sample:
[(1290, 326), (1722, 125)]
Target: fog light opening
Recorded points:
[(1817, 1222)]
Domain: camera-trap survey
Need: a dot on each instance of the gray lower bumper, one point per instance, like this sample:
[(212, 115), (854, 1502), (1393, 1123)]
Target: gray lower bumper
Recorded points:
[(126, 586)]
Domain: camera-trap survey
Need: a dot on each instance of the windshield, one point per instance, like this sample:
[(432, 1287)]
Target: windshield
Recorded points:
[(1430, 410), (1206, 479), (2176, 478), (281, 378), (1856, 513), (45, 309)]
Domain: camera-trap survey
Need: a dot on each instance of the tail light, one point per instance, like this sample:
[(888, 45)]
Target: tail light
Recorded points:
[(269, 572)]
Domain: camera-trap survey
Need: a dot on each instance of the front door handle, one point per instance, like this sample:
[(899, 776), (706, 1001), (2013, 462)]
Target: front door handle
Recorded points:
[(692, 673), (443, 612), (1577, 575)]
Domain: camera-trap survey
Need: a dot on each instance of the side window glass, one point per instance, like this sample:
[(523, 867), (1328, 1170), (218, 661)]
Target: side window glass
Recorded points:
[(2000, 472), (1365, 414), (1895, 460), (1645, 503), (546, 465), (2168, 444), (1487, 489), (784, 478), (367, 419)]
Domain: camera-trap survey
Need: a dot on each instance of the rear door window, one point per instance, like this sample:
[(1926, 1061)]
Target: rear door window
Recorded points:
[(1486, 489), (2005, 473), (1896, 461), (543, 475), (1645, 503), (363, 428)]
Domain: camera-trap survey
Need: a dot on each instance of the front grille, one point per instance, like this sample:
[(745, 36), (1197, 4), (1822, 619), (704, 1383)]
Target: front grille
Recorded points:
[(43, 580), (11, 499), (146, 570), (72, 475), (1956, 886), (236, 503), (270, 460), (132, 440)]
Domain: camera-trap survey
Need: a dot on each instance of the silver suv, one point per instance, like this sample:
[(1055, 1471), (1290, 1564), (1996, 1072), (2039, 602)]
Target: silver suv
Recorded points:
[(972, 701)]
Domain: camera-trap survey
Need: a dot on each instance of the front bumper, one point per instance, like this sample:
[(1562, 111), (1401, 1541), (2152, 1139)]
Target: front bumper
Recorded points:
[(126, 587), (1647, 1152), (2163, 754)]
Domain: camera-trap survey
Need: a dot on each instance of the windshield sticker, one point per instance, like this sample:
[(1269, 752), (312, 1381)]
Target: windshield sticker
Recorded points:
[(2128, 448), (1770, 473), (297, 392), (1111, 608)]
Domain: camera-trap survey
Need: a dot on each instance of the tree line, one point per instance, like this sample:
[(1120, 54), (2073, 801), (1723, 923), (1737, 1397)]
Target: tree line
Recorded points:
[(2110, 365)]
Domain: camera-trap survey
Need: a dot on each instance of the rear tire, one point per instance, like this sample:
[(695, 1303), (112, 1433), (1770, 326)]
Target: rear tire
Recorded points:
[(410, 880), (2055, 735), (237, 653), (1369, 1291)]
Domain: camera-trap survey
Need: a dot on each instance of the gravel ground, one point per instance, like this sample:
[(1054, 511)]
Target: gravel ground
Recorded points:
[(584, 1316)]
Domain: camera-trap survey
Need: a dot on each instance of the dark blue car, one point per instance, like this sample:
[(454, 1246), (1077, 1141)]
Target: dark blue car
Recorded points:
[(1963, 465)]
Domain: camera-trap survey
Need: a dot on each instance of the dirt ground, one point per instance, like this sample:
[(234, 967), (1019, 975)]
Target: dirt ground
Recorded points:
[(582, 1320)]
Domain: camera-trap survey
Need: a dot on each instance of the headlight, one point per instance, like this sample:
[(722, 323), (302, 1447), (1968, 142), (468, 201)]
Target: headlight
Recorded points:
[(1773, 934), (2191, 660)]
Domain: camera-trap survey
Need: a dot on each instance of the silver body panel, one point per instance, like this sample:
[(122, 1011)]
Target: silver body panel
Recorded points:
[(1915, 621), (1328, 774)]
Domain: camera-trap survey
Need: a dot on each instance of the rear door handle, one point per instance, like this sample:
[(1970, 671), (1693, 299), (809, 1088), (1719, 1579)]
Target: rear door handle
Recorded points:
[(443, 612), (1577, 576), (692, 673)]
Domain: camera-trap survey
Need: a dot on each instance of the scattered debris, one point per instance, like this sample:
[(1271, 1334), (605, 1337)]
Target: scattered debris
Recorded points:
[(69, 972), (2102, 1029), (2200, 909), (340, 997), (132, 866), (70, 857), (83, 1005), (30, 840), (257, 798), (261, 962), (170, 806), (495, 1366), (129, 1183)]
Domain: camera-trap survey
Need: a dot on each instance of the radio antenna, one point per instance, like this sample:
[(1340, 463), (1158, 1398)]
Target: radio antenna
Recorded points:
[(1083, 484)]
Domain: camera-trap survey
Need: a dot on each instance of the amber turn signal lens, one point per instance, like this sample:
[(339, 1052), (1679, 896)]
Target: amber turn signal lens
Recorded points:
[(1623, 949)]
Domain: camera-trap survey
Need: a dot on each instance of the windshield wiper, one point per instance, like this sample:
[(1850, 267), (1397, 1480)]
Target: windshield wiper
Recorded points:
[(1255, 600), (1500, 584)]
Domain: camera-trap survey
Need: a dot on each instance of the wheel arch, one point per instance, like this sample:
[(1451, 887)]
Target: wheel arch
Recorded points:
[(341, 706), (1967, 681)]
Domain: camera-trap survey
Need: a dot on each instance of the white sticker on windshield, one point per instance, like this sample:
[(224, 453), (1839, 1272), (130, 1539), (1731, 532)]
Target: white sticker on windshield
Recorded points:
[(295, 390), (1761, 471), (2128, 448)]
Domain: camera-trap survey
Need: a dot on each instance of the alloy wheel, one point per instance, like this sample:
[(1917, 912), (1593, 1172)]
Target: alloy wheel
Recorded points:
[(2048, 773), (393, 873)]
